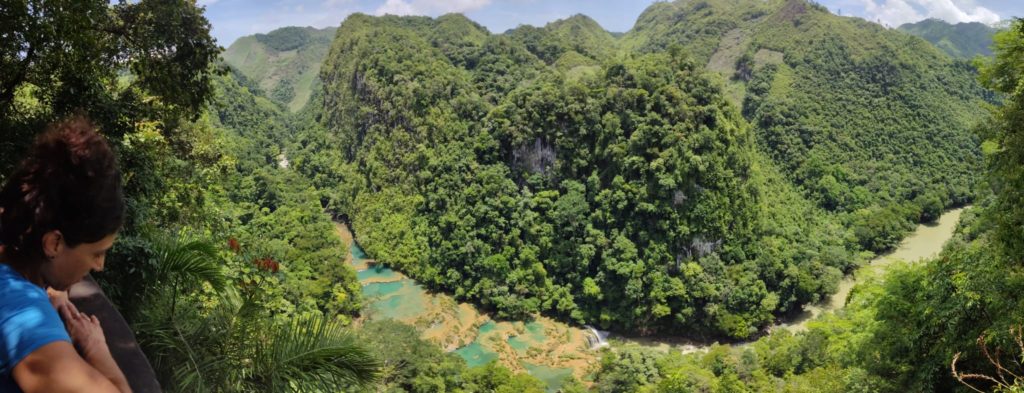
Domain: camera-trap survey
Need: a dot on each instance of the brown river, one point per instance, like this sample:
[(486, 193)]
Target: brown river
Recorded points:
[(925, 242)]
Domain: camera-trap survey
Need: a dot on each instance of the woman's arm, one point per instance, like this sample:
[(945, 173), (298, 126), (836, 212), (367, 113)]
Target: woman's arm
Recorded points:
[(87, 335), (58, 367)]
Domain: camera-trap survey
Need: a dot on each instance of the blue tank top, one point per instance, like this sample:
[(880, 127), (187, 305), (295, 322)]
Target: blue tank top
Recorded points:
[(27, 322)]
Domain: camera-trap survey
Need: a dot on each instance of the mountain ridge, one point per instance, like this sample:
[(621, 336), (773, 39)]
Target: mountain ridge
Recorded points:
[(960, 40)]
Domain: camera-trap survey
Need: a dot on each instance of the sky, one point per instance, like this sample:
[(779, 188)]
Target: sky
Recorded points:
[(235, 18)]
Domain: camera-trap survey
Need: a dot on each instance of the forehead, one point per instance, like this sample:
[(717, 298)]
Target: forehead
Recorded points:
[(101, 244)]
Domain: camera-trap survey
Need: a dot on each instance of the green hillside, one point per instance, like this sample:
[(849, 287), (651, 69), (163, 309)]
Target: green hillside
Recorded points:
[(869, 122), (284, 63), (626, 193), (961, 40)]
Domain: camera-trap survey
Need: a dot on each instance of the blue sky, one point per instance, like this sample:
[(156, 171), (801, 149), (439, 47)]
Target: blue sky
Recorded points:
[(235, 18)]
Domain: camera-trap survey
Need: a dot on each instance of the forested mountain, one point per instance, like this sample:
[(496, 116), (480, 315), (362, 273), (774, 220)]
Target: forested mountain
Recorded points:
[(940, 325), (284, 63), (622, 192), (868, 122), (865, 121), (961, 40)]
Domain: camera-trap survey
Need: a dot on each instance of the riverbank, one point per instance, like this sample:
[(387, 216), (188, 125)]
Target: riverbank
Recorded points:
[(925, 241), (547, 349)]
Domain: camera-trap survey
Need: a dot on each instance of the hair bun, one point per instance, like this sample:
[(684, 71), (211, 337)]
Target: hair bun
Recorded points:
[(69, 182)]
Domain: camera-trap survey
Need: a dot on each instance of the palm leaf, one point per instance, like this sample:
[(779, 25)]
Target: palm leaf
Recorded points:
[(316, 354), (194, 259), (236, 346)]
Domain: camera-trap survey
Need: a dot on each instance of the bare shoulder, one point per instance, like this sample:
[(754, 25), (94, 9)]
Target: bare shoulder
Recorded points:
[(56, 367)]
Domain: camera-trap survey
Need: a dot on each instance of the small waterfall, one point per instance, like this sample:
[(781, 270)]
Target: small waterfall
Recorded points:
[(598, 339)]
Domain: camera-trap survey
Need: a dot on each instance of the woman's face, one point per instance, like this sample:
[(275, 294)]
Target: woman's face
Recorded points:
[(69, 265)]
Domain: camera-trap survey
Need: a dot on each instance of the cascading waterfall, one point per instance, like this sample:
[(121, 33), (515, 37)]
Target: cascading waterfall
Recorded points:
[(597, 338)]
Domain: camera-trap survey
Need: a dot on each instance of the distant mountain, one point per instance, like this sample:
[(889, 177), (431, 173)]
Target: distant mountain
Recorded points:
[(284, 63), (962, 40)]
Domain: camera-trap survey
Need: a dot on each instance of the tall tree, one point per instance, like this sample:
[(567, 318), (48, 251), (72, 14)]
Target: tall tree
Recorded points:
[(1004, 140), (121, 63)]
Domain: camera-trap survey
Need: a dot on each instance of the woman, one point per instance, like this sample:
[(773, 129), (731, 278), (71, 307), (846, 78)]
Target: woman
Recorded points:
[(59, 214)]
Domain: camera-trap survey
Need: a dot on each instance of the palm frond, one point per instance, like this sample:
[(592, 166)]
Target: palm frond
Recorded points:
[(317, 354), (229, 343), (193, 259)]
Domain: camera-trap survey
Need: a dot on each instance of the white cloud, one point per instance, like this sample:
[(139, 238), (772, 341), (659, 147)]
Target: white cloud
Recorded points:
[(948, 10), (206, 2), (896, 12), (891, 12), (396, 7), (429, 7)]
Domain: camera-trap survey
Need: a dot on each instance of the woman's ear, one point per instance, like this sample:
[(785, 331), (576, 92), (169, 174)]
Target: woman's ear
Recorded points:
[(52, 243)]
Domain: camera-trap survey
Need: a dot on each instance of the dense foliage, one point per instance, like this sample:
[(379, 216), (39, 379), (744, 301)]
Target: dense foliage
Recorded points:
[(65, 56), (203, 334), (560, 41), (271, 319)]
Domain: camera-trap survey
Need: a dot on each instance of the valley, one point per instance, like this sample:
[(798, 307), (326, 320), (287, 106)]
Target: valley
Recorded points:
[(552, 350), (717, 196)]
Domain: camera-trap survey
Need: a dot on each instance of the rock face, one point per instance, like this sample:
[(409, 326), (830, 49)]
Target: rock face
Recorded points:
[(534, 157)]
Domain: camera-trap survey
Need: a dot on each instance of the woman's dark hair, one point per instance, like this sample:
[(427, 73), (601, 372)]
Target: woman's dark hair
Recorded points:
[(69, 182)]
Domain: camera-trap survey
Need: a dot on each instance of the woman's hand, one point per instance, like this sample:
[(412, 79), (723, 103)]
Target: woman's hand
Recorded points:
[(85, 332), (91, 344)]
